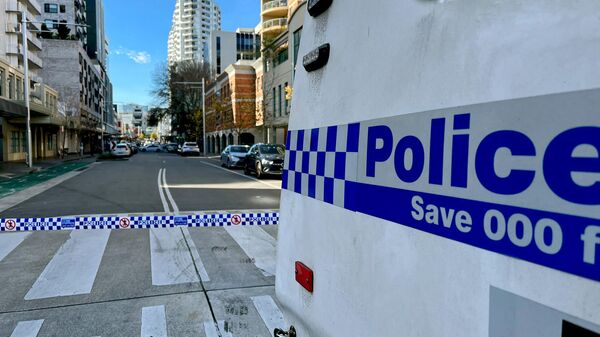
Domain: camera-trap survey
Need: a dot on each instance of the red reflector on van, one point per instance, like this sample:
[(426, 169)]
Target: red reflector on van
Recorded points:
[(304, 276)]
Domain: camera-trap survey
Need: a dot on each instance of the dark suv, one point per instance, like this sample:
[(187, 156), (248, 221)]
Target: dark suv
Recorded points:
[(265, 159)]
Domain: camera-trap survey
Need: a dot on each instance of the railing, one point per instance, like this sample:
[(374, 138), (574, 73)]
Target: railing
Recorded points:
[(274, 4), (274, 23)]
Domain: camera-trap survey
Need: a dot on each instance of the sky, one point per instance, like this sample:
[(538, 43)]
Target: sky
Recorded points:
[(138, 31)]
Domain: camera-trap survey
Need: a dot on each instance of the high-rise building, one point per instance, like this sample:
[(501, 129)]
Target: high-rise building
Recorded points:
[(10, 34), (96, 39), (273, 17), (228, 47), (193, 20), (56, 12)]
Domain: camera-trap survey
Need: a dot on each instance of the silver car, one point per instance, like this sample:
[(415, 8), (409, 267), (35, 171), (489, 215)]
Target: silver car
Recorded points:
[(234, 156)]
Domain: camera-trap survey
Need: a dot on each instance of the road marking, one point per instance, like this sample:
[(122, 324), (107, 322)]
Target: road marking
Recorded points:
[(258, 245), (154, 322), (28, 193), (10, 241), (73, 269), (210, 330), (170, 259), (195, 255), (269, 312), (168, 192), (27, 328), (241, 175), (162, 193)]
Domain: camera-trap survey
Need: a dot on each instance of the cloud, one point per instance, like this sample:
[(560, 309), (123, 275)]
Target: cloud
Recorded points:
[(140, 57)]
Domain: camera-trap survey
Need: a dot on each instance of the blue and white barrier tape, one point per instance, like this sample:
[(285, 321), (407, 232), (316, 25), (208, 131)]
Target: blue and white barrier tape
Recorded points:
[(199, 219)]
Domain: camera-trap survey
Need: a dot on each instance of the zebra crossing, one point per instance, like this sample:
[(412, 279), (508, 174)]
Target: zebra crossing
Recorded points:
[(62, 284)]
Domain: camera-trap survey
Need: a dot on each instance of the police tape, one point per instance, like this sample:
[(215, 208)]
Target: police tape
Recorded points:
[(198, 219)]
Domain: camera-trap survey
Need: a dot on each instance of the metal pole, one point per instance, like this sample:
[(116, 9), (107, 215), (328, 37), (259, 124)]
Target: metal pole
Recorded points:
[(102, 133), (203, 117), (26, 73)]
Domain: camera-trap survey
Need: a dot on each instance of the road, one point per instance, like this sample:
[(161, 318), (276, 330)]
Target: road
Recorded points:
[(159, 282)]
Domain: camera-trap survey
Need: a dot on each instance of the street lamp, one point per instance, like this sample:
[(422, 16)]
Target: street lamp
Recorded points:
[(26, 74), (203, 110)]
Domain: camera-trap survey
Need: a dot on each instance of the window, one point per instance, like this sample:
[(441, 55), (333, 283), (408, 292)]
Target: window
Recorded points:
[(51, 24), (297, 37), (1, 82), (274, 102), (14, 141), (23, 141), (11, 86), (285, 101), (50, 142), (51, 8), (20, 89), (279, 98), (63, 8), (281, 57)]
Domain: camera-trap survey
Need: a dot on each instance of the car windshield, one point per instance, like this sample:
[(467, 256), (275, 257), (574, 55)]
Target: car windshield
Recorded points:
[(121, 146), (190, 144), (238, 149), (271, 149)]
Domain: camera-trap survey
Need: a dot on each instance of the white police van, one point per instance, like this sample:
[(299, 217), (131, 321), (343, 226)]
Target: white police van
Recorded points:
[(443, 170)]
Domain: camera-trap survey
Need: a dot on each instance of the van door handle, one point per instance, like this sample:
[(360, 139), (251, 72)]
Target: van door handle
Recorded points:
[(281, 333)]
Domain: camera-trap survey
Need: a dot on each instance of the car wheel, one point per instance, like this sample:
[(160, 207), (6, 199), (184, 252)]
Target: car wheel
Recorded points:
[(259, 172)]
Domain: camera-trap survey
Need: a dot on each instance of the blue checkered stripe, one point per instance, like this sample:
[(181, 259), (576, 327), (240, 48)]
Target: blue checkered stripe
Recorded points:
[(30, 224), (229, 219), (97, 222), (319, 162)]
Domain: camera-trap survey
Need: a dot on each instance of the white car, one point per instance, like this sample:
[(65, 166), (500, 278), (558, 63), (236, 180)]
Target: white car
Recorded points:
[(234, 156), (151, 148), (122, 150), (190, 148)]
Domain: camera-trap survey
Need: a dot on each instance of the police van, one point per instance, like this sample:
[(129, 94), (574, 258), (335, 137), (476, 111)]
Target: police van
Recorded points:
[(442, 172)]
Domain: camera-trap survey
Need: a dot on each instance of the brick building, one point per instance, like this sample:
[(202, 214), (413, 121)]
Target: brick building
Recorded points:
[(231, 107)]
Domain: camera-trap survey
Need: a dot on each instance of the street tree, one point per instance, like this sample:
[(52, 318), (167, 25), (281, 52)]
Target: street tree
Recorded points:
[(68, 106)]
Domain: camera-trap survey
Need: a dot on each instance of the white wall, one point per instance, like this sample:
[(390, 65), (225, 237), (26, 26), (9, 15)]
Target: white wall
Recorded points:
[(388, 58)]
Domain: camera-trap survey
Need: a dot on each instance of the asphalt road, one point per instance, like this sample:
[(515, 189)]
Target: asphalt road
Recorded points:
[(160, 282)]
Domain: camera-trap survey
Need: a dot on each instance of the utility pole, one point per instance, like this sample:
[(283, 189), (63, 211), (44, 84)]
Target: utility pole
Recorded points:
[(26, 73), (204, 117)]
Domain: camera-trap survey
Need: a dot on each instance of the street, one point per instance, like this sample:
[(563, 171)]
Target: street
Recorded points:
[(157, 282)]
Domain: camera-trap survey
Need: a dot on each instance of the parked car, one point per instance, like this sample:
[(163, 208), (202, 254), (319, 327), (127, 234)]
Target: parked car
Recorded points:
[(122, 150), (234, 156), (264, 159), (132, 146), (151, 148), (190, 148), (171, 147)]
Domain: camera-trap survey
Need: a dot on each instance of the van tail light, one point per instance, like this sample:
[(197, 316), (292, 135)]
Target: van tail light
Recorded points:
[(304, 276)]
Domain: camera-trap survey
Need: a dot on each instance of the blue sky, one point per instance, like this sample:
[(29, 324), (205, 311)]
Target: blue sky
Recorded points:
[(138, 31)]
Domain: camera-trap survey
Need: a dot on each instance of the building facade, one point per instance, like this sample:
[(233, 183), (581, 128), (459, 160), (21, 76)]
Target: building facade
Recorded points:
[(228, 47), (63, 11), (280, 59), (45, 118), (133, 119), (193, 20), (231, 108)]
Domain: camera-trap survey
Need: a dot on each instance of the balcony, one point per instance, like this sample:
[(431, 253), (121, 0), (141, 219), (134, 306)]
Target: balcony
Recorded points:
[(34, 7), (275, 8), (274, 26), (34, 60), (12, 28), (12, 48), (13, 6)]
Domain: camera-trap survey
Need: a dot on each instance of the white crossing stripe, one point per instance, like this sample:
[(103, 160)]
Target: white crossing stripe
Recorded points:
[(170, 259), (27, 329), (10, 241), (210, 329), (72, 271), (154, 322), (195, 255), (269, 312), (258, 245)]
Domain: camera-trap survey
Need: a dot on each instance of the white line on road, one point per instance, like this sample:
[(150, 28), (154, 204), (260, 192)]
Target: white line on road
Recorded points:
[(168, 192), (258, 245), (161, 192), (170, 259), (269, 312), (10, 241), (72, 271), (210, 330), (154, 322), (278, 186), (27, 329)]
